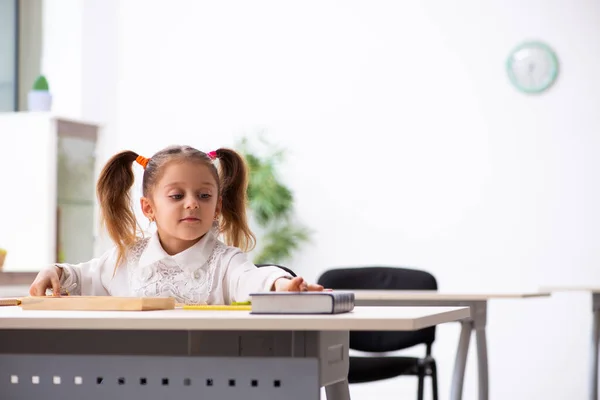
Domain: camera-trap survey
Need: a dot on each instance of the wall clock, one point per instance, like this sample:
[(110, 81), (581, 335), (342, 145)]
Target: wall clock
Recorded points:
[(532, 67)]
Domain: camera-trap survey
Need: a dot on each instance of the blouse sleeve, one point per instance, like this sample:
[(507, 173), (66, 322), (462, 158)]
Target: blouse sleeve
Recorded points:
[(242, 278), (90, 278)]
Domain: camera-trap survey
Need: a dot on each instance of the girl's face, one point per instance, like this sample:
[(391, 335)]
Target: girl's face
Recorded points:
[(184, 203)]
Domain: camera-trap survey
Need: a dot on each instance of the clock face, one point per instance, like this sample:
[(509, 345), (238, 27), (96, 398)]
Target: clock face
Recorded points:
[(532, 67)]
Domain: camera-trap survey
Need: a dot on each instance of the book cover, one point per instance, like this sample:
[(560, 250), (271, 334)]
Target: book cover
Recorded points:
[(327, 302)]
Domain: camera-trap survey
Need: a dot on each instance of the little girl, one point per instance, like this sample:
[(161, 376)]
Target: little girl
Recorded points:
[(192, 203)]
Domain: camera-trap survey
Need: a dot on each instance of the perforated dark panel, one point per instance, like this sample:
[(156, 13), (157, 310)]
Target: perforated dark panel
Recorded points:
[(51, 377)]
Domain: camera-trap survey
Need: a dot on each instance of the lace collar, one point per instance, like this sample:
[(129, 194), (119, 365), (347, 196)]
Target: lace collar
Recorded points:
[(189, 259)]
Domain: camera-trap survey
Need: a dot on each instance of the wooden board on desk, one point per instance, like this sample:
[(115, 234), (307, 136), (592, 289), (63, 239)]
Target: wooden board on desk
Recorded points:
[(97, 303), (9, 301)]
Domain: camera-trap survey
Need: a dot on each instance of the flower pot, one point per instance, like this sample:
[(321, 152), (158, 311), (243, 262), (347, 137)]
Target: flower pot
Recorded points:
[(39, 100)]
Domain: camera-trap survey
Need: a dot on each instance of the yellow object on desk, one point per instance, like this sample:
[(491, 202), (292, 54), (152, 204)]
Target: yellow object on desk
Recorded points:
[(216, 307), (2, 257)]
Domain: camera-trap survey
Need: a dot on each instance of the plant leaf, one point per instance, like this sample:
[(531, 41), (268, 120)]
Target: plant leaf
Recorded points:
[(271, 204), (280, 242)]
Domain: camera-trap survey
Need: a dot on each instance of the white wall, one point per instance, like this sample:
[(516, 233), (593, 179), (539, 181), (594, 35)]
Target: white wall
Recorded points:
[(61, 59), (80, 58), (408, 147)]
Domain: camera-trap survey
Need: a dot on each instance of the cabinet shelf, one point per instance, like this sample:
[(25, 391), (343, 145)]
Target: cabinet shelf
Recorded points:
[(56, 217)]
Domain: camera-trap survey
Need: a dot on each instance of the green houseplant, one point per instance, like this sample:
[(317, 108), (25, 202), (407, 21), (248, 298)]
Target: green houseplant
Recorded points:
[(271, 206), (41, 84), (39, 97)]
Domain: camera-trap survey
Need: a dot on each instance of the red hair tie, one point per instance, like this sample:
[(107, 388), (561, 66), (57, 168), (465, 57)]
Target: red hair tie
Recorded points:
[(143, 161), (212, 155)]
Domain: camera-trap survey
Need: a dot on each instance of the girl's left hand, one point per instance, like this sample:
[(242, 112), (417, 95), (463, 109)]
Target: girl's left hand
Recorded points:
[(297, 284)]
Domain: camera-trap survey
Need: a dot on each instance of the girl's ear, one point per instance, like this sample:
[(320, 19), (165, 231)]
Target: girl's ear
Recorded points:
[(147, 208)]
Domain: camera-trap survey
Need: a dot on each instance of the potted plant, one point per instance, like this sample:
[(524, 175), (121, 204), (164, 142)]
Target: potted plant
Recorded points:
[(271, 205), (39, 97)]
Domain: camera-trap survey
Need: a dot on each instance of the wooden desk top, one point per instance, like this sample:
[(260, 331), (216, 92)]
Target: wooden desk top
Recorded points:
[(362, 318), (432, 295), (573, 288)]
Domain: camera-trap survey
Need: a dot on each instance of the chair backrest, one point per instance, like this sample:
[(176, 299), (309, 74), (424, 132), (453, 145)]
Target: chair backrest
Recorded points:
[(383, 278), (286, 269)]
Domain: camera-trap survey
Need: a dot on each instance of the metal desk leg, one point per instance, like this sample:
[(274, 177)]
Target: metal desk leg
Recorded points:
[(482, 363), (338, 391), (479, 311), (595, 346), (458, 375), (477, 322), (332, 351)]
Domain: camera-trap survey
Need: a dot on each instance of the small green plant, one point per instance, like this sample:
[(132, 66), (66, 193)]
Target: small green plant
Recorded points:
[(41, 84), (271, 205)]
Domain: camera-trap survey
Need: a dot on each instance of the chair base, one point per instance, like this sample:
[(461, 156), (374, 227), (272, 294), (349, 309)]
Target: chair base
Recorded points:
[(371, 369)]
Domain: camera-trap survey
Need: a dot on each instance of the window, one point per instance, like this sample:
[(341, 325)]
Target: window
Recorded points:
[(8, 55)]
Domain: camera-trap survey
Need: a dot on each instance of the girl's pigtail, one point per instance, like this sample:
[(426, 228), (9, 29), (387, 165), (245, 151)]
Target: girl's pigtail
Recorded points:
[(234, 186), (114, 184)]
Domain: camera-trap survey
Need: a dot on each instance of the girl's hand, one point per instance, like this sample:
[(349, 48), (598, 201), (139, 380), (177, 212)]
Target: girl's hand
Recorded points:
[(297, 284), (46, 278)]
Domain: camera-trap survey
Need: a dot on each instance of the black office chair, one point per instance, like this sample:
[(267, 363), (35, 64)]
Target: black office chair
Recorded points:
[(286, 269), (369, 369)]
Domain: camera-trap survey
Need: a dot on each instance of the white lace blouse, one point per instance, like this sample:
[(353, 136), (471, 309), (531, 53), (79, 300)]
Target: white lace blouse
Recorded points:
[(209, 272)]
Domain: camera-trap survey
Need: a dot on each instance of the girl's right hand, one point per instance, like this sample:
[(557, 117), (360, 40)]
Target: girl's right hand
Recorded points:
[(46, 278)]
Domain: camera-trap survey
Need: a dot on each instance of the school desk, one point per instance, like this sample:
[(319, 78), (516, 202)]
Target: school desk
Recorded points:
[(595, 347), (189, 354), (477, 302)]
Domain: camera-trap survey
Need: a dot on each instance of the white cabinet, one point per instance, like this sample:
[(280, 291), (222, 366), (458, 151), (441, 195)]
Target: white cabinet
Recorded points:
[(47, 190)]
